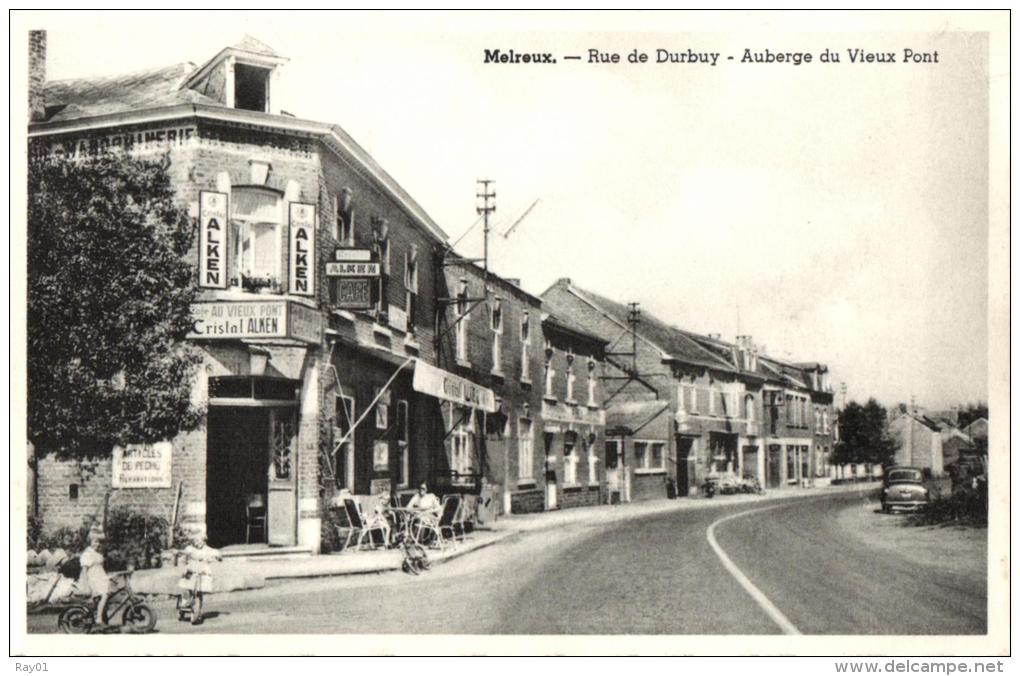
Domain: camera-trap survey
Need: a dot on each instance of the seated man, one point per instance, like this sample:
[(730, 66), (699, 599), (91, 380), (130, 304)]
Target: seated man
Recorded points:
[(425, 502)]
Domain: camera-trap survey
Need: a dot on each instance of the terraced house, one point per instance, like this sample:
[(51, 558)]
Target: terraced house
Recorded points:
[(688, 406)]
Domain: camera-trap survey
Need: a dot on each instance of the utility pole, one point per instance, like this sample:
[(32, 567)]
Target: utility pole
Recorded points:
[(487, 207)]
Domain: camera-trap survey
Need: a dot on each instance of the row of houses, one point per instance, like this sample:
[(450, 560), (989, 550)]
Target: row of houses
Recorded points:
[(348, 348), (934, 441)]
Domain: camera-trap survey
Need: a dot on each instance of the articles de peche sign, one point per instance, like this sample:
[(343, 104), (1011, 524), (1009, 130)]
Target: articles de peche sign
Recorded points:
[(142, 465)]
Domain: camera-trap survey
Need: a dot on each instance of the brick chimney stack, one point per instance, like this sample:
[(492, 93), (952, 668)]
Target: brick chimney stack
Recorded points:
[(36, 75)]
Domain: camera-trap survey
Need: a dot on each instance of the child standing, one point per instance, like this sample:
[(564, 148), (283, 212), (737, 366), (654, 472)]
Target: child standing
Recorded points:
[(93, 579), (198, 572)]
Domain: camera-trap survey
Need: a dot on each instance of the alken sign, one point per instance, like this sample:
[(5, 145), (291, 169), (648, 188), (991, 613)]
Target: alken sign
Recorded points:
[(302, 249), (212, 240)]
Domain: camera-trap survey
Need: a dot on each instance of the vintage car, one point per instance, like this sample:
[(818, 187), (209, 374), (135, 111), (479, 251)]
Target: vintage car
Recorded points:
[(903, 488)]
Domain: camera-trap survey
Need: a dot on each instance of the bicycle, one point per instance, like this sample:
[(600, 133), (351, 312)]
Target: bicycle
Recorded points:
[(135, 615)]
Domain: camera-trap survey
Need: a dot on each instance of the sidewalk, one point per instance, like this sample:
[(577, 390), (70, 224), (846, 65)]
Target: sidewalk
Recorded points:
[(239, 574)]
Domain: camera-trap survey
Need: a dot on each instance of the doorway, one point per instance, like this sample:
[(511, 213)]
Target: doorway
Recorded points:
[(775, 470), (684, 445), (250, 461), (237, 456), (550, 472)]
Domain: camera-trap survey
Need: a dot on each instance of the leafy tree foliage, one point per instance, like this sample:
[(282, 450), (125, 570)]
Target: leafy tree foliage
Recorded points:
[(864, 435), (109, 292), (972, 412)]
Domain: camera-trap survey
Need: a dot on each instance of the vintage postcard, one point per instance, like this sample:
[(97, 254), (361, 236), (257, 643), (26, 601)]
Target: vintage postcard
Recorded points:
[(510, 333)]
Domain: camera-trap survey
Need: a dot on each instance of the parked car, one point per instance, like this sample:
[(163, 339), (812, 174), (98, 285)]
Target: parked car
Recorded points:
[(903, 488)]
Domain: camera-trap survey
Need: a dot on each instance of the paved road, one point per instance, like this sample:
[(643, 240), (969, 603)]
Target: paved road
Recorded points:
[(655, 575)]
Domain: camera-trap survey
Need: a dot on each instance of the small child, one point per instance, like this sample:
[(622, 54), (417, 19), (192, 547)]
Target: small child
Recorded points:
[(198, 572), (93, 579)]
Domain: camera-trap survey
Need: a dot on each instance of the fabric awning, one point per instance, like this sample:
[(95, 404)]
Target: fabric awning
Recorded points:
[(453, 388)]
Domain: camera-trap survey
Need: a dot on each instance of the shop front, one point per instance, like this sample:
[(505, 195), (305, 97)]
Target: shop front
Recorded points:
[(261, 432)]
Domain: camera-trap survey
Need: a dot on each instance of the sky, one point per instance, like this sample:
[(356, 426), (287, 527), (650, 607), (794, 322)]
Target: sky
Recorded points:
[(834, 212)]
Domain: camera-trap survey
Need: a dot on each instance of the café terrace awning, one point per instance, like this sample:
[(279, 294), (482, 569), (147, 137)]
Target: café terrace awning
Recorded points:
[(450, 387)]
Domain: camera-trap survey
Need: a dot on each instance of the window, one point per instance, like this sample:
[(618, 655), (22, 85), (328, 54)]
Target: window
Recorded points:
[(382, 250), (550, 373), (702, 401), (791, 464), (570, 459), (525, 449), (380, 455), (382, 412), (688, 398), (411, 286), (592, 382), (462, 321), (344, 457), (461, 442), (749, 408), (571, 377), (649, 456), (613, 447), (525, 348), (251, 87), (403, 445), (593, 469), (497, 335), (255, 218), (344, 210)]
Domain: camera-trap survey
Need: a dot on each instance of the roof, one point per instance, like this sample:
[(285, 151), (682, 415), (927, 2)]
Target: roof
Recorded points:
[(634, 415), (923, 420), (121, 99), (250, 44), (675, 343), (90, 97), (563, 324)]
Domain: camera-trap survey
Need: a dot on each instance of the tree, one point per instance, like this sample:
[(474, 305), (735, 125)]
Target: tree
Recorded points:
[(864, 435), (972, 412), (109, 295)]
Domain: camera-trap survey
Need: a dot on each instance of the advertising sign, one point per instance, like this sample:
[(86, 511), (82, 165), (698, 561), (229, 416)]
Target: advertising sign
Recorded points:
[(212, 240), (450, 387), (142, 465), (360, 255), (302, 249), (352, 269), (232, 320), (353, 294)]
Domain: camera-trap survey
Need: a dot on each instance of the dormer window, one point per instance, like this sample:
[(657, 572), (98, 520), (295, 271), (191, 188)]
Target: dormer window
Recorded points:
[(251, 87)]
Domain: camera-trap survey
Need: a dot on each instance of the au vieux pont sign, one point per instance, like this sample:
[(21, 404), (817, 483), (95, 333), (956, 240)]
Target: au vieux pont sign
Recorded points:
[(231, 320)]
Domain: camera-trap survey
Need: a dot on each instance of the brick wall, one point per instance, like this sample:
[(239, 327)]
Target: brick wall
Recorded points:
[(580, 496), (527, 502)]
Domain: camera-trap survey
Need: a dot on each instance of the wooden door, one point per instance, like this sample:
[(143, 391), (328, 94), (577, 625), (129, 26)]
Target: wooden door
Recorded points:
[(282, 504)]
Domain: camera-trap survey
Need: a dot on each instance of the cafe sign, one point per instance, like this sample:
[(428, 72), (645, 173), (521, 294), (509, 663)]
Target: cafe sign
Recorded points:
[(302, 249), (212, 240), (353, 293), (450, 387), (142, 465), (233, 320)]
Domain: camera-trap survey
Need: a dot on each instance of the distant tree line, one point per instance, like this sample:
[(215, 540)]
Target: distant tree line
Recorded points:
[(864, 435)]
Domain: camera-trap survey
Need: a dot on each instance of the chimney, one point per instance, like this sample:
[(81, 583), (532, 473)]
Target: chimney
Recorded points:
[(36, 75)]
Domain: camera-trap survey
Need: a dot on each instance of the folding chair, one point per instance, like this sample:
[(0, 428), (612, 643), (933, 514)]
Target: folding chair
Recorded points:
[(357, 526)]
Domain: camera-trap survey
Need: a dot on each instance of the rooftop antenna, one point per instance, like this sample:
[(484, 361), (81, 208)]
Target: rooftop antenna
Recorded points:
[(630, 373)]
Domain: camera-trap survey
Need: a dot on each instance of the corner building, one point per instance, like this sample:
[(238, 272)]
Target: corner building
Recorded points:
[(316, 311)]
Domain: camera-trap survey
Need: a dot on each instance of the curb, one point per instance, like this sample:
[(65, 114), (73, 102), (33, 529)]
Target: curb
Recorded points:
[(457, 553)]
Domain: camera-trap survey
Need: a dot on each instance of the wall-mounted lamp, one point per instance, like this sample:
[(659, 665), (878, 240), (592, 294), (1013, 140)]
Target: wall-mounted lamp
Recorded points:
[(258, 359)]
